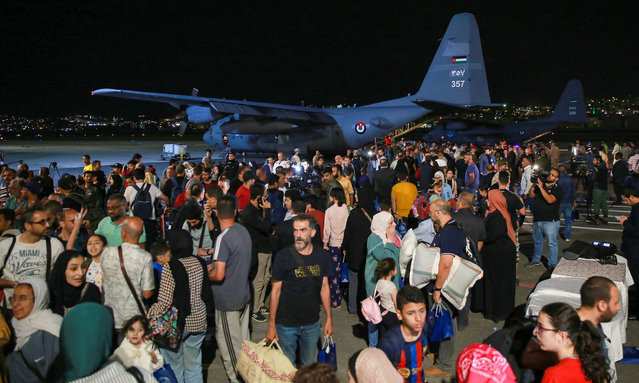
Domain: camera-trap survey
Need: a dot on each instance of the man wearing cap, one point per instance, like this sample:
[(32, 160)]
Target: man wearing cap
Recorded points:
[(117, 169), (295, 159), (30, 192), (231, 166), (177, 180)]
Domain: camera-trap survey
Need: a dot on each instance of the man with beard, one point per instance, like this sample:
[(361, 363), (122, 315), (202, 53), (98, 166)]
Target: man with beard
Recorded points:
[(300, 284), (600, 302), (111, 227), (452, 242)]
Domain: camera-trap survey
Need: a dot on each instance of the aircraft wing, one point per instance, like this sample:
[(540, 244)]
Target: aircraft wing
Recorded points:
[(222, 106)]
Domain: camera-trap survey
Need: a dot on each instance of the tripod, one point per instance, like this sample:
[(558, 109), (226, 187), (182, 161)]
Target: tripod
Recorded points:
[(586, 194), (53, 168)]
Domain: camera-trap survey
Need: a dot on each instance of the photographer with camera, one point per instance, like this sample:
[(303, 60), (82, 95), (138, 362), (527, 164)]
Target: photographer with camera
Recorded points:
[(600, 190), (547, 195)]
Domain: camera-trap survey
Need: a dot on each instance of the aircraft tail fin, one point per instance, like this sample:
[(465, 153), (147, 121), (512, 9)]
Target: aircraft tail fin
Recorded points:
[(457, 74), (571, 106)]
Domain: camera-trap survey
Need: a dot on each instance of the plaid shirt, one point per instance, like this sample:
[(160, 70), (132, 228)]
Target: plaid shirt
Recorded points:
[(196, 321)]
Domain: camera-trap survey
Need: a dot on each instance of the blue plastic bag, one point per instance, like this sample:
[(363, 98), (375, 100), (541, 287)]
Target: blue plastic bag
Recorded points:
[(440, 323), (328, 353), (165, 374), (344, 277), (401, 228)]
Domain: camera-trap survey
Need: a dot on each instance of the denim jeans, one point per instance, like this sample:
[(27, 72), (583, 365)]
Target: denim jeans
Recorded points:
[(373, 335), (566, 210), (305, 337), (548, 229), (187, 361)]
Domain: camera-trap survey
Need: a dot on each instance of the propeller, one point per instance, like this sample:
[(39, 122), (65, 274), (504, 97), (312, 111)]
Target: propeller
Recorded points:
[(183, 116)]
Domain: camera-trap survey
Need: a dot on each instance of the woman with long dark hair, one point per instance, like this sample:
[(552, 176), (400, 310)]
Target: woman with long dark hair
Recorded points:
[(577, 345), (334, 226)]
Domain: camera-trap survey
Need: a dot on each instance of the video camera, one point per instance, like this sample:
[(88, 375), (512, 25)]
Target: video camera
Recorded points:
[(539, 173), (578, 166)]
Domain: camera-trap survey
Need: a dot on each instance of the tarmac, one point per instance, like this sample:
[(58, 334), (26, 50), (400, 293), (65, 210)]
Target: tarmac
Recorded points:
[(349, 331)]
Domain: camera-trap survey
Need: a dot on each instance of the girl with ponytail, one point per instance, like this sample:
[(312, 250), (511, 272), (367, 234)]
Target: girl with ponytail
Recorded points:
[(577, 344)]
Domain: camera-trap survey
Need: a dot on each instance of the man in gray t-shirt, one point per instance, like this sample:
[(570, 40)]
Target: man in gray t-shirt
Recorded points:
[(230, 285)]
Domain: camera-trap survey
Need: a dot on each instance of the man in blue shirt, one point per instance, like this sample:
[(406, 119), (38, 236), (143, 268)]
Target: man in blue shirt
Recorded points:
[(471, 179), (568, 199), (451, 241)]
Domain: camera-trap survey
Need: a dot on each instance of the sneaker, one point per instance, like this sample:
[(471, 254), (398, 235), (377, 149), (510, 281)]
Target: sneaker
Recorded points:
[(533, 263), (258, 317), (568, 240), (264, 311), (604, 221)]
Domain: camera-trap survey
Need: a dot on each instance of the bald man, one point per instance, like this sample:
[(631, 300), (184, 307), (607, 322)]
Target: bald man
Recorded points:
[(139, 268)]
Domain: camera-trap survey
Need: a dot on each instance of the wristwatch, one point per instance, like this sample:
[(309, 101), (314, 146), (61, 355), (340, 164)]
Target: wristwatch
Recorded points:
[(437, 289)]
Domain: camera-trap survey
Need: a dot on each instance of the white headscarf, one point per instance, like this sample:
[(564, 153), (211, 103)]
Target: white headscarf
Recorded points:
[(440, 174), (40, 318), (379, 225)]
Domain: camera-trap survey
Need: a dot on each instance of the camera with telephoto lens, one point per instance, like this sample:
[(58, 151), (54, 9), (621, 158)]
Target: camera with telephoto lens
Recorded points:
[(539, 173)]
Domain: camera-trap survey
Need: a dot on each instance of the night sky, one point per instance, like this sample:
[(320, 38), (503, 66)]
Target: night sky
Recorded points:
[(325, 53)]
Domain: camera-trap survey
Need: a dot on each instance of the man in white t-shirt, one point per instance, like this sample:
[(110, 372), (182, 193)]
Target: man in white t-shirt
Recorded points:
[(27, 255), (147, 212)]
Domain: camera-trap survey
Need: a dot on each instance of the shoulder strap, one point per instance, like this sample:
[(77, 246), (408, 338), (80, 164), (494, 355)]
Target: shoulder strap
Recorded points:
[(382, 290), (48, 241), (128, 282), (204, 226), (299, 261), (147, 188), (6, 259), (366, 214)]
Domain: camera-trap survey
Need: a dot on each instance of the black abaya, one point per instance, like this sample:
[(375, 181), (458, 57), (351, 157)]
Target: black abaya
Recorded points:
[(499, 258)]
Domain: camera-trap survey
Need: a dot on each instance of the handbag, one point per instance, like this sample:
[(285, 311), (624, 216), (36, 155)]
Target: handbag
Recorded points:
[(165, 330), (165, 374), (328, 353), (440, 323), (262, 363)]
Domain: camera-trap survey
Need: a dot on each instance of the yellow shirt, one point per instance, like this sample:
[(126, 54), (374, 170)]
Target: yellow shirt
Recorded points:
[(405, 194), (88, 168), (348, 189)]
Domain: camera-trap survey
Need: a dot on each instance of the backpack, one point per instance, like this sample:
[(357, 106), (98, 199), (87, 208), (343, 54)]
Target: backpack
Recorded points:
[(142, 205), (177, 189), (371, 308), (421, 207)]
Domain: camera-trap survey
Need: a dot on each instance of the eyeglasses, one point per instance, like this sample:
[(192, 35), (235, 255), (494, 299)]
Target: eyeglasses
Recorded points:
[(21, 299), (43, 222), (541, 328)]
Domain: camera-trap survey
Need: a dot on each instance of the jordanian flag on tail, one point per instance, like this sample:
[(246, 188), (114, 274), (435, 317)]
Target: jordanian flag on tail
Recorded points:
[(459, 60)]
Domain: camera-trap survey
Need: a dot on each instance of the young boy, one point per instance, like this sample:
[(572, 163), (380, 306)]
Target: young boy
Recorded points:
[(405, 344), (161, 256)]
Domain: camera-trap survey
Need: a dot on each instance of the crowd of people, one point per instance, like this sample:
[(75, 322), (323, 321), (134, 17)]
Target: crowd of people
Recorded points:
[(90, 268)]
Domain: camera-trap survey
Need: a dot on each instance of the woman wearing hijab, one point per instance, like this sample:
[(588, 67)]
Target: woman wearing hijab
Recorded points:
[(358, 228), (37, 330), (371, 365), (68, 285), (381, 243), (184, 285), (499, 259), (85, 342)]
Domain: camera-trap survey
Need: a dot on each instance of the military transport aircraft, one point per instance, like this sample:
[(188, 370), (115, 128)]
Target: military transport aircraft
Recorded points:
[(570, 109), (456, 79)]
